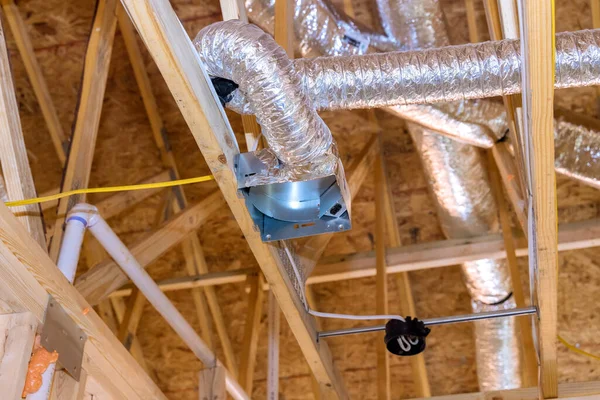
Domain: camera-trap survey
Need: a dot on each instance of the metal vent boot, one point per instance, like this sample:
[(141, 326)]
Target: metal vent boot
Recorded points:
[(292, 209)]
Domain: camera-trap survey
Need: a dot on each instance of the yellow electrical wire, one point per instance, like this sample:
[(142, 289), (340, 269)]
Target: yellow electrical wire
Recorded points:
[(110, 189), (576, 350)]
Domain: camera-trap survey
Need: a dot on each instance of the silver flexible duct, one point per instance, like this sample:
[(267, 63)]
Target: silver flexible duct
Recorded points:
[(320, 28), (577, 152), (466, 208), (323, 30), (248, 56), (444, 74)]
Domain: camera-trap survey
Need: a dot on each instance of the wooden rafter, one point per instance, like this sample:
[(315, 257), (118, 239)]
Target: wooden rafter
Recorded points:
[(34, 72), (406, 302), (176, 58), (529, 356), (251, 331), (503, 23), (13, 155), (537, 72), (87, 120), (17, 332), (443, 253), (381, 286)]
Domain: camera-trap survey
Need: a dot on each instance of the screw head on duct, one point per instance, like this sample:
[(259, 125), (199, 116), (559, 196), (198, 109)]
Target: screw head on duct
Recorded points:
[(405, 338)]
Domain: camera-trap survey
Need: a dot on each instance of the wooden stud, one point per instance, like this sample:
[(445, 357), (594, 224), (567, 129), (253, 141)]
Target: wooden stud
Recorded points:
[(537, 72), (405, 300), (117, 308), (87, 120), (132, 317), (13, 155), (251, 331), (198, 296), (64, 387), (274, 320), (36, 78), (502, 20), (103, 278), (472, 21), (233, 9), (381, 287), (213, 304), (529, 356), (212, 384), (505, 163), (17, 332)]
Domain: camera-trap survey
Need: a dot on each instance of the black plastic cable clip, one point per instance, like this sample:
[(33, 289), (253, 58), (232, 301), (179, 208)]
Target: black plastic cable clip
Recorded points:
[(224, 88), (405, 338)]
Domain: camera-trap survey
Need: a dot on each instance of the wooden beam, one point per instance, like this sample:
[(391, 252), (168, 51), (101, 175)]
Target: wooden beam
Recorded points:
[(17, 332), (274, 321), (381, 287), (131, 319), (529, 357), (472, 21), (64, 387), (13, 155), (117, 308), (566, 391), (97, 283), (406, 302), (192, 250), (251, 331), (212, 301), (503, 23), (505, 163), (87, 120), (36, 78), (537, 72), (211, 384), (443, 253), (28, 276), (176, 58)]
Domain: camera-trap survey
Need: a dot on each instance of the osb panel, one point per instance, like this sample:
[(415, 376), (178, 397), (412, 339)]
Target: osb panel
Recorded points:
[(126, 153)]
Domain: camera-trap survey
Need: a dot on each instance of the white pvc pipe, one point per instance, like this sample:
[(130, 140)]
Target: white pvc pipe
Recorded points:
[(140, 278), (67, 264)]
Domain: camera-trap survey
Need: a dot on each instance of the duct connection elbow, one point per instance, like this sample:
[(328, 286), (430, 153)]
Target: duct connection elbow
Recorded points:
[(246, 55), (296, 187)]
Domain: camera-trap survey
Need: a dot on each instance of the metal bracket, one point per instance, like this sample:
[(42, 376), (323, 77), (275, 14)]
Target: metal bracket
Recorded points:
[(63, 335)]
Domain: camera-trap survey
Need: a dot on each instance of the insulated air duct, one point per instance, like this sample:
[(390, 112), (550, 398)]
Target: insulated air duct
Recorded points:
[(296, 187), (459, 183), (445, 74)]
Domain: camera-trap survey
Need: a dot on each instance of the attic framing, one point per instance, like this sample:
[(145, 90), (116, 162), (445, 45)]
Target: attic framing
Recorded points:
[(28, 272)]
